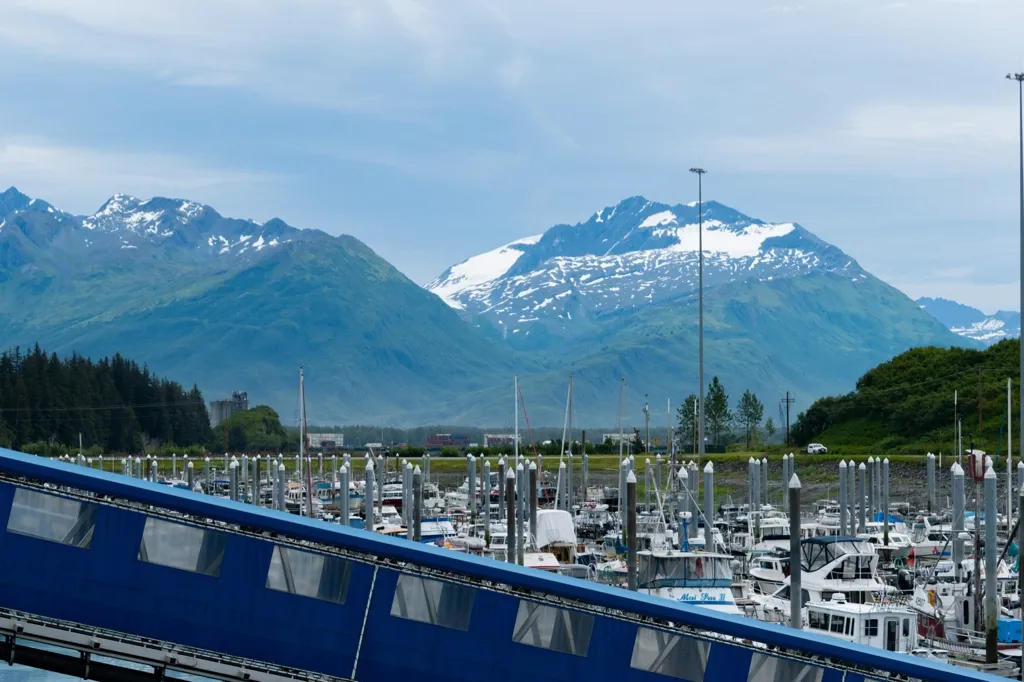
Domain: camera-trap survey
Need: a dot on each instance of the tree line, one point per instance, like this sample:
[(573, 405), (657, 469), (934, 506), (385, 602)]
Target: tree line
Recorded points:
[(46, 402), (913, 401), (720, 421)]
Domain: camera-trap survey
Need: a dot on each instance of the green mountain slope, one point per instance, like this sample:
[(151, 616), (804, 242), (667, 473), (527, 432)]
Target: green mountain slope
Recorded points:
[(908, 402), (812, 335)]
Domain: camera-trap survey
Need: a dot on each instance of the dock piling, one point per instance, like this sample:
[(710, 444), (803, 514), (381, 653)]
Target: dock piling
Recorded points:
[(709, 507), (533, 502), (510, 515), (796, 620), (189, 476), (631, 530), (343, 498), (233, 480), (959, 505), (486, 494), (368, 492), (842, 498), (522, 498), (282, 504), (991, 560), (417, 505), (501, 487), (931, 483), (885, 501), (862, 502)]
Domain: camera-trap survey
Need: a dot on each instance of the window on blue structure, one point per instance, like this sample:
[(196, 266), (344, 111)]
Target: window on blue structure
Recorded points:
[(179, 546), (764, 668), (54, 518), (433, 601), (308, 574), (662, 653), (549, 627)]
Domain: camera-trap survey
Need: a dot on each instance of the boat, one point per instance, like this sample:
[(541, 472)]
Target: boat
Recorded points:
[(697, 578), (889, 625), (830, 565)]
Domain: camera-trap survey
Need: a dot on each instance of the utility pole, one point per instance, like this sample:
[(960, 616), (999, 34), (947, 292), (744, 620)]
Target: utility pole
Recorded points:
[(1019, 77), (700, 311), (787, 401)]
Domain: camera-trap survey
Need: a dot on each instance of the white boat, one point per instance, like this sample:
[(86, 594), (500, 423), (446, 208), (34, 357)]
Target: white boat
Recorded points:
[(697, 578), (768, 573), (830, 565), (887, 626), (898, 548)]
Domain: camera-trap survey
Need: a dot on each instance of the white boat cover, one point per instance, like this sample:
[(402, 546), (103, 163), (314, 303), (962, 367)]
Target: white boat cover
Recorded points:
[(554, 526)]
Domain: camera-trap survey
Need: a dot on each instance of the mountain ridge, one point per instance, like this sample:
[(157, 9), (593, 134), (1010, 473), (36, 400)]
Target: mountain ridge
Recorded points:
[(972, 323), (191, 292)]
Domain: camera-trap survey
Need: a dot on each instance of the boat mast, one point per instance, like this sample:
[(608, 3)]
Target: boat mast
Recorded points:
[(515, 413), (622, 399), (303, 450)]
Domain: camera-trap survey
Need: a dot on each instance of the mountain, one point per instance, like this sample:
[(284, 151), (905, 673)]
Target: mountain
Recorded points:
[(906, 403), (616, 295), (625, 258), (239, 305), (970, 322)]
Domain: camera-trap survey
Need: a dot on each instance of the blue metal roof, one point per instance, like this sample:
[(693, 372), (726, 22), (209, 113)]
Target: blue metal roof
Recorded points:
[(300, 528)]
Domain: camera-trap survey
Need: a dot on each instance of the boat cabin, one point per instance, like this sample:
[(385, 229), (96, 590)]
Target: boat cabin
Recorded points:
[(893, 628)]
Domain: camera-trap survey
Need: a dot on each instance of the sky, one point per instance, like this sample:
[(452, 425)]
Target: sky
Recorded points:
[(433, 131)]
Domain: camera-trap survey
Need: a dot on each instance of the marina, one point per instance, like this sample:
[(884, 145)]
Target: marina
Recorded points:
[(886, 576)]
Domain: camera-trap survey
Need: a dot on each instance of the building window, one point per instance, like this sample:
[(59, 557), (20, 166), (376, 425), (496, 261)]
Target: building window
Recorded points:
[(552, 628), (871, 627), (659, 652), (308, 574), (179, 546), (432, 601), (51, 517)]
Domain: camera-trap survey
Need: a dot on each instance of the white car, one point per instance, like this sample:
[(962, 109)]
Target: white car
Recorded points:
[(816, 449)]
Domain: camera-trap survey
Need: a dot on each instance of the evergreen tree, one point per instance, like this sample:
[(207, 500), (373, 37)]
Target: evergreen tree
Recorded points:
[(686, 416), (749, 412), (113, 404), (717, 415)]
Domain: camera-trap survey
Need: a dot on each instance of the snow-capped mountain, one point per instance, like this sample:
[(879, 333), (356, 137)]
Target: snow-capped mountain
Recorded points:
[(127, 223), (972, 323), (635, 254)]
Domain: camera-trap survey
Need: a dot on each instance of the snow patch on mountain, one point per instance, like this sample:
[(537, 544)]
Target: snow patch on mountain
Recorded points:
[(478, 271)]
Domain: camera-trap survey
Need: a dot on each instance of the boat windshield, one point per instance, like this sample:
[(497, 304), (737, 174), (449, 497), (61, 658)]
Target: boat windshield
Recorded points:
[(819, 552), (685, 570)]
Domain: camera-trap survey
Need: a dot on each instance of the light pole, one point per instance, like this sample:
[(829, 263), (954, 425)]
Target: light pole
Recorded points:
[(700, 311), (1019, 77)]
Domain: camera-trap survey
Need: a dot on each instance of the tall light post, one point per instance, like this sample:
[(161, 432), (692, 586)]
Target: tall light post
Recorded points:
[(1019, 77), (700, 311)]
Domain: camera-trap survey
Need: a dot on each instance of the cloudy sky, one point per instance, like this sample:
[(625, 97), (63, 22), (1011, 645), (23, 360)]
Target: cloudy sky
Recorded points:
[(435, 130)]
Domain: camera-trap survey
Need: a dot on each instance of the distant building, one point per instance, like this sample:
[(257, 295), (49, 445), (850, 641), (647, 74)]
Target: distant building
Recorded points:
[(223, 409), (495, 440), (326, 441), (437, 441), (627, 436)]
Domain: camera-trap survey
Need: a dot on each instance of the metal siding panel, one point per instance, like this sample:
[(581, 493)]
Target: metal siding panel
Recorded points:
[(727, 662)]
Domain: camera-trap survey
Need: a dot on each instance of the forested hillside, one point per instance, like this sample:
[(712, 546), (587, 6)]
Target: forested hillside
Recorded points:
[(907, 402), (112, 403)]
